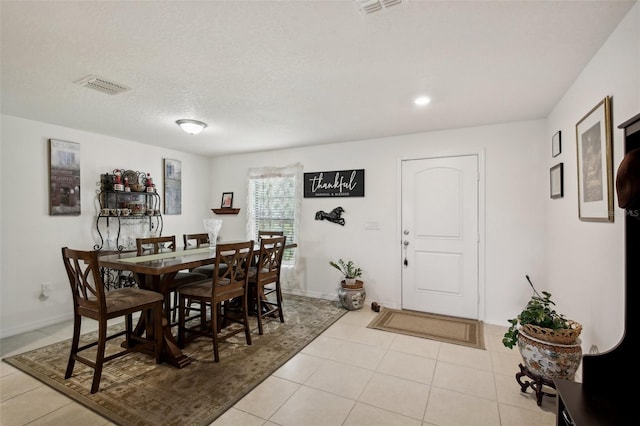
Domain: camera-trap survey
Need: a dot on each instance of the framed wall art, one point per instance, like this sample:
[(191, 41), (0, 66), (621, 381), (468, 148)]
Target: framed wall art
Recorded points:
[(556, 178), (595, 170), (556, 144), (227, 200), (172, 186), (64, 178)]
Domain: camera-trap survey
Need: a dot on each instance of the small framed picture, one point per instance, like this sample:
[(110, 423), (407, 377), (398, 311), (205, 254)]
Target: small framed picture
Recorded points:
[(227, 200), (556, 177), (556, 144)]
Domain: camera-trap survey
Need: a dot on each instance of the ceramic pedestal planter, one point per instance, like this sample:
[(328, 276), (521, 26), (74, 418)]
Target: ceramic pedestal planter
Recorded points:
[(550, 360), (352, 296)]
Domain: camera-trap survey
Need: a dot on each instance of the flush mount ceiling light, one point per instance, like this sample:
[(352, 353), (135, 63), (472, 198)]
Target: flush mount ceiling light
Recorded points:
[(193, 127), (422, 100)]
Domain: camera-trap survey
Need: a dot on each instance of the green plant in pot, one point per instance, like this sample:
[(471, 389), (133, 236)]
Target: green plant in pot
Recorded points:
[(348, 269), (351, 292), (547, 341), (538, 312)]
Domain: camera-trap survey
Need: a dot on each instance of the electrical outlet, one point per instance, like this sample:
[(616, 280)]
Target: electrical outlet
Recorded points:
[(45, 290)]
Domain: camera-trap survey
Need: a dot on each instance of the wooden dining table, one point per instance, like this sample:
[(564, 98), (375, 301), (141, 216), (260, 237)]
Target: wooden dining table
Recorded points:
[(155, 272)]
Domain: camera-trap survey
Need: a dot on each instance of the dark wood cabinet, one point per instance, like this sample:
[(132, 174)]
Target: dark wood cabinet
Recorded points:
[(606, 395)]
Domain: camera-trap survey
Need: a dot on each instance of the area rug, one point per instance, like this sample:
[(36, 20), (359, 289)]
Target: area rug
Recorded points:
[(134, 390), (460, 331)]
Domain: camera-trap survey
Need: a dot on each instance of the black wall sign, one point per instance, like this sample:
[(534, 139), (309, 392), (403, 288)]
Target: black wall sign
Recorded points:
[(341, 183)]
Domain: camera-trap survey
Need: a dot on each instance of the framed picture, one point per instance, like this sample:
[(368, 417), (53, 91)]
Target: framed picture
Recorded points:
[(64, 178), (595, 170), (556, 144), (556, 178), (227, 200), (172, 186)]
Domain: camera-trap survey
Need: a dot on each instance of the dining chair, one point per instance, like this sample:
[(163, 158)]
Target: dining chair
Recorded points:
[(264, 279), (269, 234), (213, 293), (156, 245), (91, 300), (197, 241)]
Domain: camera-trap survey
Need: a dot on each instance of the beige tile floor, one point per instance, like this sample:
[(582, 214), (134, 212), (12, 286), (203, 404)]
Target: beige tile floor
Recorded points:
[(350, 375)]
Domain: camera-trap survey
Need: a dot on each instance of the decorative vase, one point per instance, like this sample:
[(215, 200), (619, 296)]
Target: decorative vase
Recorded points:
[(212, 226), (550, 360), (352, 296)]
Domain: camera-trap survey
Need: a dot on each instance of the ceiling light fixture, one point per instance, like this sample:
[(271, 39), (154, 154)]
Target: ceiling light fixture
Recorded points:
[(193, 127), (422, 100)]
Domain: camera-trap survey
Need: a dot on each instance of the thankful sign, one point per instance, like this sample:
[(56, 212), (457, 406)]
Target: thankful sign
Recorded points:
[(341, 183)]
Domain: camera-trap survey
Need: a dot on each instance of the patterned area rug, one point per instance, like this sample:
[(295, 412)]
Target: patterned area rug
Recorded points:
[(134, 390), (460, 331)]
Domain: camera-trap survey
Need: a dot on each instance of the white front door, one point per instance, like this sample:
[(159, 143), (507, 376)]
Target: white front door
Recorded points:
[(440, 235)]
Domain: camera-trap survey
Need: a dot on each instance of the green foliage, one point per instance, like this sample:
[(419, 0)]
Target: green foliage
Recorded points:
[(348, 269), (539, 311)]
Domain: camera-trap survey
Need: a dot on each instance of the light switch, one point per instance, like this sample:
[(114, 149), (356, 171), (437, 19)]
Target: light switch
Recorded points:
[(371, 226)]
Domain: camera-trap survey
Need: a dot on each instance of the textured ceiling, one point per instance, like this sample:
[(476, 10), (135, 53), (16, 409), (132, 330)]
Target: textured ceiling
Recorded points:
[(274, 74)]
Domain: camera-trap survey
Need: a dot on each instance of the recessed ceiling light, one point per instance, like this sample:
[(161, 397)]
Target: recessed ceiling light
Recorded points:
[(422, 100)]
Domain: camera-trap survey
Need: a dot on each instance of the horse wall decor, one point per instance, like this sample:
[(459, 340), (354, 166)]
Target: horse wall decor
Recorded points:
[(333, 216)]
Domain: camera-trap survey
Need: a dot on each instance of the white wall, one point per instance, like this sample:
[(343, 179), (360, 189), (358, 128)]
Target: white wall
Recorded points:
[(585, 271), (515, 191), (31, 239)]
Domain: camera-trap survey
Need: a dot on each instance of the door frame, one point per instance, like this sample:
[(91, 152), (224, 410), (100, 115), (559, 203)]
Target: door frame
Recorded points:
[(480, 153)]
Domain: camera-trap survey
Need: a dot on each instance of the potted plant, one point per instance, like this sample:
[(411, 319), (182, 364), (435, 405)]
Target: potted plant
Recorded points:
[(546, 339), (541, 320), (348, 269), (351, 291)]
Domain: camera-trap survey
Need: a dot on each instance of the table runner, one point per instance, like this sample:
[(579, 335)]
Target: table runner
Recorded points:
[(165, 255)]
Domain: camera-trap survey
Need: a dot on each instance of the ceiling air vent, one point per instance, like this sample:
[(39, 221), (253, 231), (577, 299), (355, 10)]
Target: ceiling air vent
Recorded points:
[(371, 6), (102, 85)]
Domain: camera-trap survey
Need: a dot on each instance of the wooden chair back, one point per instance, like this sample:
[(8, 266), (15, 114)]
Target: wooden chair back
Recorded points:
[(269, 234), (155, 244), (270, 260), (195, 240), (231, 281), (86, 282)]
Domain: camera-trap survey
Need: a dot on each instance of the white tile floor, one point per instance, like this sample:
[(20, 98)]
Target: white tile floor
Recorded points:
[(350, 375)]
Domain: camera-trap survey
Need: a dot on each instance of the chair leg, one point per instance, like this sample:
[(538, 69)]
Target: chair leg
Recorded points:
[(174, 306), (279, 299), (102, 341), (245, 316), (77, 321), (214, 330), (258, 300), (167, 307)]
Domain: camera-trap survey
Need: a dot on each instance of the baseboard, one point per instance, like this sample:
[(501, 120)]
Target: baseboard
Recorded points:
[(35, 325)]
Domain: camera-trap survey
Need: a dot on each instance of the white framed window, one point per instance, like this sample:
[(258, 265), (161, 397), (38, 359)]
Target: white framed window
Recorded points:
[(274, 200)]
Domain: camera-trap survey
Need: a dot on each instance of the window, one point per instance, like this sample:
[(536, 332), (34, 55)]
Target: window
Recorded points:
[(275, 195)]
